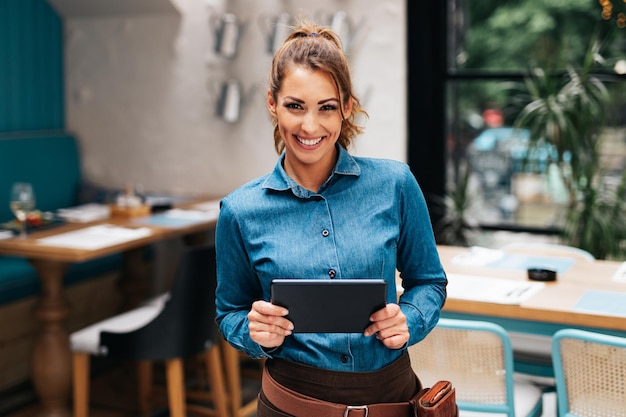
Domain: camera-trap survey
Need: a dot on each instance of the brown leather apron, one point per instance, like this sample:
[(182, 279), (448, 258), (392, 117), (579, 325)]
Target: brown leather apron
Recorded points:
[(300, 388)]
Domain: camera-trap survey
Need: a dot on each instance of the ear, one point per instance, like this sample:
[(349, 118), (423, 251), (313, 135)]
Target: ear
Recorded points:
[(347, 110), (271, 104)]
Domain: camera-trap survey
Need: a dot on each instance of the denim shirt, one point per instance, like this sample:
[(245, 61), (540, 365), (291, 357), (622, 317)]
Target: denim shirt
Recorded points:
[(367, 220)]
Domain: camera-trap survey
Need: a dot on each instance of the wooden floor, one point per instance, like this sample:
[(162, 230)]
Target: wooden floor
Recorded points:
[(114, 394)]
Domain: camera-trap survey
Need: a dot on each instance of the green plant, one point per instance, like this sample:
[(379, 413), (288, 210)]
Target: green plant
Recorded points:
[(596, 222), (569, 113), (456, 226)]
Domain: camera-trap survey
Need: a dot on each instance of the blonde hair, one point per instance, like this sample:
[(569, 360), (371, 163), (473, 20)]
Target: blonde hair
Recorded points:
[(317, 48)]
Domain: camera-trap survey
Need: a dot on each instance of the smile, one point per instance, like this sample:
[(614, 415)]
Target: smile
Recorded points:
[(309, 142)]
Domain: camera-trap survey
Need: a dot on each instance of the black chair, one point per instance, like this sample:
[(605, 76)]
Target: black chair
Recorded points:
[(169, 329)]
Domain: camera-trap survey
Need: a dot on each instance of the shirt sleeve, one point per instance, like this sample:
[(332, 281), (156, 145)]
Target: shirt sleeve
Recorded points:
[(237, 286), (423, 278)]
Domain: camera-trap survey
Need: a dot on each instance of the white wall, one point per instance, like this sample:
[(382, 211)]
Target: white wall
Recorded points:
[(141, 92)]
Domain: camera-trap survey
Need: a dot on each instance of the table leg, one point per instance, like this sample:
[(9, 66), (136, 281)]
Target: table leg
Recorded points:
[(51, 371)]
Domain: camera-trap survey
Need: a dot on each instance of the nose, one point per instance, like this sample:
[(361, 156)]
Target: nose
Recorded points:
[(310, 121)]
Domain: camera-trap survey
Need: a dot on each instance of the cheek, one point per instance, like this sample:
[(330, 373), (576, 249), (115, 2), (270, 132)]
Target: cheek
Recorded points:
[(283, 129), (286, 122), (332, 125)]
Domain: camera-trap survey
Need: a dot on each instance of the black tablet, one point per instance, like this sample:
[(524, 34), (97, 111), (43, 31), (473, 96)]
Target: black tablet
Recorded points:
[(329, 305)]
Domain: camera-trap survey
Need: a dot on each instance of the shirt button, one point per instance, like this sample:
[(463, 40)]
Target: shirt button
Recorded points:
[(325, 233), (332, 273), (344, 358)]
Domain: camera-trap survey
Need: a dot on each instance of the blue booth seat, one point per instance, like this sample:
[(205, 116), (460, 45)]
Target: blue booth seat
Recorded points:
[(51, 162), (19, 280)]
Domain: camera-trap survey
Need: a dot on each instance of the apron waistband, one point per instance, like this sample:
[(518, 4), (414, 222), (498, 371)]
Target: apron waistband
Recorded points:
[(301, 405)]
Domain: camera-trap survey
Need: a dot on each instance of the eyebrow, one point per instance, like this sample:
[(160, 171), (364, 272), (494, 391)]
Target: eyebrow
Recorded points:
[(297, 100)]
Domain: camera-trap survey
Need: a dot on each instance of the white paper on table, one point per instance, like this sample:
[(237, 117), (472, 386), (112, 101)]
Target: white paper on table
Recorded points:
[(200, 215), (95, 237), (620, 274), (85, 213), (212, 205), (478, 256), (491, 290)]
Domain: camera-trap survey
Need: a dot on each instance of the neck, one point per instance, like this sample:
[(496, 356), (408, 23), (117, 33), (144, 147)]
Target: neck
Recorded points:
[(310, 179), (310, 176)]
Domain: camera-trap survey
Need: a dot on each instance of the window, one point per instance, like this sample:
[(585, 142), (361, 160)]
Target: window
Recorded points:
[(490, 48)]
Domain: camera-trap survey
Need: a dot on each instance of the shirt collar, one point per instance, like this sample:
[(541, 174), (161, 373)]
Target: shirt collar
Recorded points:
[(279, 180)]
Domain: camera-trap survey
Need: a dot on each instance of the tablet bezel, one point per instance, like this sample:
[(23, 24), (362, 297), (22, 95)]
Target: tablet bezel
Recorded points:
[(329, 305)]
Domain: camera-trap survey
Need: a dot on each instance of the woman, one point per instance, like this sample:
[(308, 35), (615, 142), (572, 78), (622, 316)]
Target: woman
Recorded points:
[(321, 214)]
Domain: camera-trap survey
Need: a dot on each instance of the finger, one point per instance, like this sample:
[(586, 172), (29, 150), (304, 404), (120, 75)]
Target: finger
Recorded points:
[(390, 310), (267, 340), (267, 322), (263, 307), (370, 330), (271, 329), (395, 342), (393, 331), (385, 318)]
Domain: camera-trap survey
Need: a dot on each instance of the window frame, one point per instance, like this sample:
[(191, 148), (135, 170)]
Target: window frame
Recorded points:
[(428, 75)]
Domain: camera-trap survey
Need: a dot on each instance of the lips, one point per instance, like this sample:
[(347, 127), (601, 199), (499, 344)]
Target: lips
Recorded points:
[(309, 142)]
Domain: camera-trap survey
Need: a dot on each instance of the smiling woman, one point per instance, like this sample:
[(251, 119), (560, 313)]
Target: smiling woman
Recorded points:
[(310, 126), (325, 68), (323, 213)]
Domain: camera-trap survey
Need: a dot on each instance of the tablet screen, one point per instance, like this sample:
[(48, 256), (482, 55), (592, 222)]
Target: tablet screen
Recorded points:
[(329, 305)]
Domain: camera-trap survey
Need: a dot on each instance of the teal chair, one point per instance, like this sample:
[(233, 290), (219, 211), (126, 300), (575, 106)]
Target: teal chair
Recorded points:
[(590, 371), (532, 353), (477, 357)]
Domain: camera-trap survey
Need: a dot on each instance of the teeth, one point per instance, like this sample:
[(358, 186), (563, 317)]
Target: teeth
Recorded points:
[(309, 142)]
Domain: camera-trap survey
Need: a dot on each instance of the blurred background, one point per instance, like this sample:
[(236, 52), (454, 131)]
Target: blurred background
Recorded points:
[(510, 113), (170, 95)]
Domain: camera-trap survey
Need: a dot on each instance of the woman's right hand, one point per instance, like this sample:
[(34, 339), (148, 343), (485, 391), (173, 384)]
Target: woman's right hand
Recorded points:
[(268, 325)]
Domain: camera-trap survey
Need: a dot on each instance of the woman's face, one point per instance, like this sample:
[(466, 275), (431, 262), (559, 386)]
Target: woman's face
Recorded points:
[(307, 109)]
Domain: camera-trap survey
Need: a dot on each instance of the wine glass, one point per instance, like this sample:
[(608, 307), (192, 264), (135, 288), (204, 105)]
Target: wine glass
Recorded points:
[(22, 202)]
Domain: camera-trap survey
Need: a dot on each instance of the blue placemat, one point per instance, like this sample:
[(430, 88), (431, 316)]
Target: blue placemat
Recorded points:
[(167, 221), (604, 302)]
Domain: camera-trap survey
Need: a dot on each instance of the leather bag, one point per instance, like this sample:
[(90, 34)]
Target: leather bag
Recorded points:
[(437, 401)]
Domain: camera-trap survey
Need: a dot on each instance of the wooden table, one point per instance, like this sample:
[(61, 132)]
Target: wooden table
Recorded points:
[(51, 366), (532, 322), (554, 304)]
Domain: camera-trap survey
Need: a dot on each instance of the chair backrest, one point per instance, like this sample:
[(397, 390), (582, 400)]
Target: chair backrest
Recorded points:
[(476, 357), (186, 325), (590, 371)]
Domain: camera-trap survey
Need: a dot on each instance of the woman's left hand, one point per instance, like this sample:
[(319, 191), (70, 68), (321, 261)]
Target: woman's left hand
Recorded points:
[(390, 327)]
